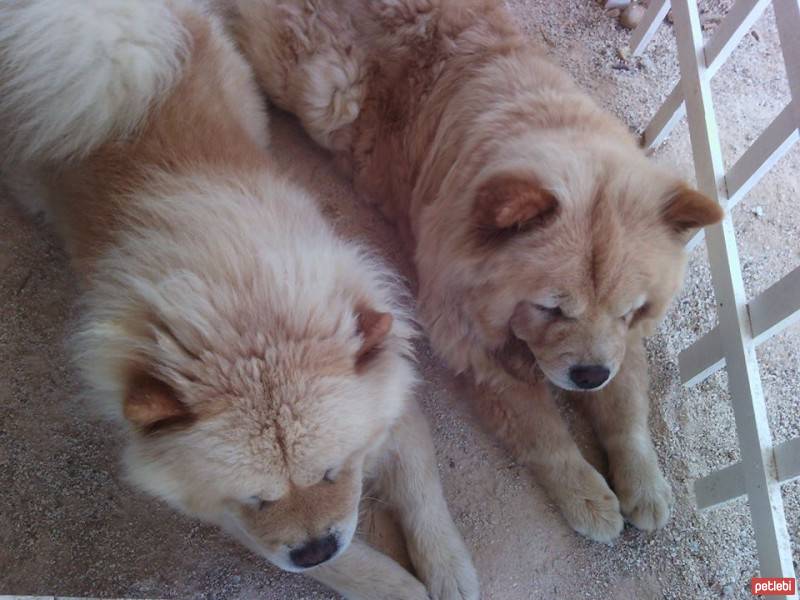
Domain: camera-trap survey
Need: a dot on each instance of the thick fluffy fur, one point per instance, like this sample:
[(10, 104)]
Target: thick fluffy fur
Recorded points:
[(546, 244), (260, 365), (95, 75)]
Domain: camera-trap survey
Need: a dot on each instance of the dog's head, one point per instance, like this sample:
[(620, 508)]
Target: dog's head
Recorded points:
[(582, 248), (254, 417), (268, 438)]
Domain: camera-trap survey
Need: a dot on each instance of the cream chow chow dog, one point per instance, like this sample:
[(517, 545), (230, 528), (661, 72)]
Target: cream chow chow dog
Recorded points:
[(546, 245), (260, 365)]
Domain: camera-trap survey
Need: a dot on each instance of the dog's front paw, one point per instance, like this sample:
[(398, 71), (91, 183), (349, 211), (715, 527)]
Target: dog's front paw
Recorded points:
[(588, 504), (415, 592), (390, 587), (444, 565), (645, 496), (454, 580)]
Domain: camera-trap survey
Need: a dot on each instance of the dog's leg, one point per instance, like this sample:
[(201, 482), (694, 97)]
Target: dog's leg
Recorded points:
[(362, 573), (619, 414), (409, 481), (527, 419)]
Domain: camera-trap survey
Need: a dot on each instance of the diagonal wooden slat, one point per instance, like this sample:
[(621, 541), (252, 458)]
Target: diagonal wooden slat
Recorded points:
[(651, 21), (770, 312), (744, 383), (742, 326), (720, 487), (775, 308), (787, 17), (787, 460), (666, 118), (775, 141), (762, 155), (727, 484), (702, 359), (733, 27)]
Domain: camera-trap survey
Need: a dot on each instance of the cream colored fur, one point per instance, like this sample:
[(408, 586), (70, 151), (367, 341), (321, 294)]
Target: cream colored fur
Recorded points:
[(75, 74), (544, 240), (259, 366)]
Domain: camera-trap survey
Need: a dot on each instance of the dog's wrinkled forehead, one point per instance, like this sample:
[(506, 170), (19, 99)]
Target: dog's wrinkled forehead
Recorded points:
[(250, 447), (307, 421), (270, 403)]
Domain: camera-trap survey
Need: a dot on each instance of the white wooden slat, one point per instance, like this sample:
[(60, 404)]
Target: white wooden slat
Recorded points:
[(730, 32), (772, 311), (775, 308), (787, 17), (758, 159), (702, 359), (727, 484), (787, 460), (734, 26), (752, 426), (697, 239), (646, 29), (663, 122), (720, 487), (766, 504), (762, 155)]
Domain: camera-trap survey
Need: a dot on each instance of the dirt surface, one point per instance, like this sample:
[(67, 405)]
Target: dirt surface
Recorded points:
[(70, 525)]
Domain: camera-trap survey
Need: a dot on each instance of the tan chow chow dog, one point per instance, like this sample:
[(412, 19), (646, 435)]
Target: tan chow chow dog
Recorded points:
[(260, 365), (546, 244)]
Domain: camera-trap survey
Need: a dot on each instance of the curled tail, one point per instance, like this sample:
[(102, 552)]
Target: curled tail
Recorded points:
[(306, 58), (76, 74)]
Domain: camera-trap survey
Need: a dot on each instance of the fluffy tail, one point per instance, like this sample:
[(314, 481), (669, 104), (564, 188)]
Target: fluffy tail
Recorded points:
[(74, 74), (306, 59)]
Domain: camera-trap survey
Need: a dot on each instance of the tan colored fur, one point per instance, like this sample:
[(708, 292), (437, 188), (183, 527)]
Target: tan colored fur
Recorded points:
[(177, 141), (260, 366), (544, 240)]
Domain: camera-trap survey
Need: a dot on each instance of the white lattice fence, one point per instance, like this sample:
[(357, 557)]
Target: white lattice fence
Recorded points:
[(742, 324)]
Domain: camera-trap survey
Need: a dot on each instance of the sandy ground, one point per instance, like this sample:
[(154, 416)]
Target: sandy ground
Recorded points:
[(70, 524)]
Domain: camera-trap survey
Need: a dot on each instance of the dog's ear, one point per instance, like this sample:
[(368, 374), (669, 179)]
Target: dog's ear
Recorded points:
[(150, 404), (687, 210), (373, 328), (512, 201)]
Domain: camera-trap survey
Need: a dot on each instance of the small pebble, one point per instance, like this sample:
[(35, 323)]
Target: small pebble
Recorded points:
[(632, 16), (727, 591), (758, 211), (611, 4), (755, 35), (614, 13), (709, 20), (646, 63)]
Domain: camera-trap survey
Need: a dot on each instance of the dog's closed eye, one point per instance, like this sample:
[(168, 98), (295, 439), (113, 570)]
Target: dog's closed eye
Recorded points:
[(640, 312), (636, 313), (258, 502), (553, 312)]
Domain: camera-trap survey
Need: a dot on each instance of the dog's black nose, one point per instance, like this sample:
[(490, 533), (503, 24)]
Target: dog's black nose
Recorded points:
[(588, 377), (315, 552)]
